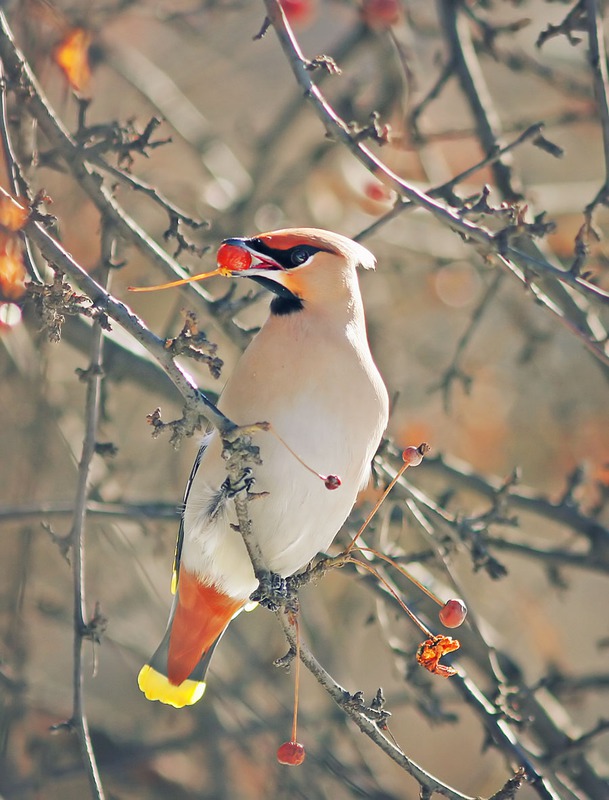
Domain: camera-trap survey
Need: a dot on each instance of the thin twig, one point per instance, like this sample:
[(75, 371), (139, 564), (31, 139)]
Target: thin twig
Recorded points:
[(339, 129), (18, 184), (196, 401), (519, 497), (133, 511), (82, 629), (471, 78), (344, 700), (598, 65), (600, 76), (445, 189), (454, 371), (488, 242), (36, 102)]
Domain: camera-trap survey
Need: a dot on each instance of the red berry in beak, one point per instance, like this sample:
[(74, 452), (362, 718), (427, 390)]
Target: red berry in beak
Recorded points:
[(453, 613), (292, 754), (332, 482), (233, 258)]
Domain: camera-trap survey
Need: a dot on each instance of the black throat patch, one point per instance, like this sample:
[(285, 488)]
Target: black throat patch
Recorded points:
[(285, 301), (281, 306)]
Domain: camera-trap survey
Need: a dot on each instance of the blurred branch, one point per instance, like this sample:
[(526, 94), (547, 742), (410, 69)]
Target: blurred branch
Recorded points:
[(589, 11), (488, 243), (551, 555), (514, 700), (570, 25), (471, 79), (473, 531), (18, 185), (24, 83), (83, 627), (123, 362), (176, 108), (347, 49), (519, 61), (129, 511), (594, 337), (598, 65), (196, 402), (446, 190), (454, 371), (488, 126), (357, 713), (524, 498)]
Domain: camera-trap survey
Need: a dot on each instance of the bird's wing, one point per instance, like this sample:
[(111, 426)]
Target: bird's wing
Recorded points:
[(180, 540)]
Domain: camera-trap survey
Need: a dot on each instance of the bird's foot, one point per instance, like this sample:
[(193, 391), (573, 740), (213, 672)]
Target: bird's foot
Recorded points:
[(244, 484), (274, 592)]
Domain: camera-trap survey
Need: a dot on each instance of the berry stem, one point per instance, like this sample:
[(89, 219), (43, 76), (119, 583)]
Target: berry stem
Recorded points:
[(376, 507), (421, 450), (296, 678), (394, 594), (403, 572), (200, 277), (325, 478)]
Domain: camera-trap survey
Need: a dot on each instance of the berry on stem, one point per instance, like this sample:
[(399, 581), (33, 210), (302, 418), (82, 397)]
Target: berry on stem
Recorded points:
[(292, 754), (453, 613), (412, 456), (332, 481), (299, 13), (233, 258), (381, 13)]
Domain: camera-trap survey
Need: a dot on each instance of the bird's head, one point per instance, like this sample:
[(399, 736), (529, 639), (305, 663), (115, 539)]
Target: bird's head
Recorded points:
[(297, 264)]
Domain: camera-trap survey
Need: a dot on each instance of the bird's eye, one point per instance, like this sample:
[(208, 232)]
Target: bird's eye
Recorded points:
[(300, 254)]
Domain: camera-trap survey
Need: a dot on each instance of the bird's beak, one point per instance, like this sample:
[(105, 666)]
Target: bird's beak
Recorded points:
[(236, 258)]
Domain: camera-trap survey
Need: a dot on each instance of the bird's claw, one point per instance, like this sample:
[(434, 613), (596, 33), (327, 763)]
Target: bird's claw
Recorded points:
[(273, 592), (244, 484)]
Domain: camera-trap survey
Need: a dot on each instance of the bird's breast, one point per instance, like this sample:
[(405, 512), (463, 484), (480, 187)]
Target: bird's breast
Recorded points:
[(325, 399)]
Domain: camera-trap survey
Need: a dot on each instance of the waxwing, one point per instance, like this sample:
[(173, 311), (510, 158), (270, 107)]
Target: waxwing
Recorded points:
[(310, 374)]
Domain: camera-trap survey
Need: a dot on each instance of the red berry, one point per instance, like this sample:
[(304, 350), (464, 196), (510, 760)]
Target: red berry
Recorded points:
[(292, 754), (233, 258), (381, 13), (412, 456), (377, 191), (453, 613), (332, 482), (299, 12)]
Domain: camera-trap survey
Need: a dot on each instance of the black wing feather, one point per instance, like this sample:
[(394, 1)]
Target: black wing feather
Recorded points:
[(180, 540)]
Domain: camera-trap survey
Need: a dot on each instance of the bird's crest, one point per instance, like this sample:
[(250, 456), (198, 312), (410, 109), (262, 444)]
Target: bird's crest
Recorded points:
[(323, 240)]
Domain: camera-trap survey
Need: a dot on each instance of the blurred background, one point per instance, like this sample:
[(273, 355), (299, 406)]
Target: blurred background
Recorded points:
[(475, 366)]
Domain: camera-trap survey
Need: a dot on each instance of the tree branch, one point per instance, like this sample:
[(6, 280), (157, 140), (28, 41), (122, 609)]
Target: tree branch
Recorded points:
[(344, 700), (83, 628), (196, 402), (21, 77)]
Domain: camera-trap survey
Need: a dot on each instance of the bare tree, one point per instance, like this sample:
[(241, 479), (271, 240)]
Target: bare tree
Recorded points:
[(465, 143)]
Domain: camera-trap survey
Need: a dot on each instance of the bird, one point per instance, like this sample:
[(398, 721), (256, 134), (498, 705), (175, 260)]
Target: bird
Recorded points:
[(309, 373)]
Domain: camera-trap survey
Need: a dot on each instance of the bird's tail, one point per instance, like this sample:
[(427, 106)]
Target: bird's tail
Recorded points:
[(200, 614)]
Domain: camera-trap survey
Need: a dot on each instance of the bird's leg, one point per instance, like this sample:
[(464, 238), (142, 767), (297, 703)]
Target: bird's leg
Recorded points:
[(274, 592), (315, 570)]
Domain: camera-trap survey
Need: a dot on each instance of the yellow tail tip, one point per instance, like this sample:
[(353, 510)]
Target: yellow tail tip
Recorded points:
[(157, 687)]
